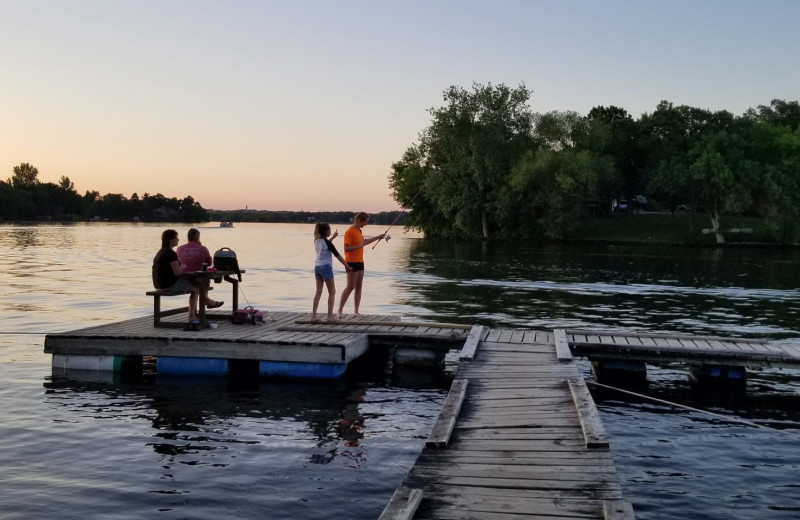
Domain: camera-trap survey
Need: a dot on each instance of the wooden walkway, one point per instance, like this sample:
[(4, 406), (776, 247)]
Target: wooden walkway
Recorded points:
[(519, 438), (751, 353)]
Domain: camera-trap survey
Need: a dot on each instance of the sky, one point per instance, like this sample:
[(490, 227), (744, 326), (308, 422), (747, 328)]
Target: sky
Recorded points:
[(304, 105)]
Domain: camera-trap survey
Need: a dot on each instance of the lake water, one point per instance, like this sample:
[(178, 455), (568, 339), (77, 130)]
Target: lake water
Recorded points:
[(104, 447)]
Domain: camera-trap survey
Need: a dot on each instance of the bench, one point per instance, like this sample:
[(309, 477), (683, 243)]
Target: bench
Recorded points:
[(158, 313)]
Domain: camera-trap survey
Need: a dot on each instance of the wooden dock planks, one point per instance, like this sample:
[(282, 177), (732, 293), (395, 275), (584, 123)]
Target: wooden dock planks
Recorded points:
[(751, 353), (280, 338), (518, 448)]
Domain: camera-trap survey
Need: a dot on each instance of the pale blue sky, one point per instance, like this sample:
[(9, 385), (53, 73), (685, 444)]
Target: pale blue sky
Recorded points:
[(305, 104)]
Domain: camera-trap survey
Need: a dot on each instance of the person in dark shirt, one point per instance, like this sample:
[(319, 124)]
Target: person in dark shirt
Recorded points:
[(169, 277)]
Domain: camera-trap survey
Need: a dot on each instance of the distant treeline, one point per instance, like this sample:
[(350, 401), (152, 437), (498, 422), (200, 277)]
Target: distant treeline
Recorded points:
[(333, 217), (24, 197), (486, 166)]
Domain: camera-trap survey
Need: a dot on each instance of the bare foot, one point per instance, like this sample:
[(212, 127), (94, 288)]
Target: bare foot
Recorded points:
[(314, 320), (357, 315), (340, 315), (331, 319)]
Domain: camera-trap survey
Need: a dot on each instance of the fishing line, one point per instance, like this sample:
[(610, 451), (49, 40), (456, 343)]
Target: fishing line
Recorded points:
[(676, 405), (404, 208)]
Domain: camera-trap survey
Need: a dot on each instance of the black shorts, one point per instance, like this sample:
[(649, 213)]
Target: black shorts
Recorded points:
[(357, 266)]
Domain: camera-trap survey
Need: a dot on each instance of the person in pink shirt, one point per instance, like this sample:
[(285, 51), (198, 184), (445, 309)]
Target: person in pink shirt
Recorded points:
[(192, 255)]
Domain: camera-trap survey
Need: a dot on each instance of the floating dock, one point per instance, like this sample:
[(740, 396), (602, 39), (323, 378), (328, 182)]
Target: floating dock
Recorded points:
[(287, 344)]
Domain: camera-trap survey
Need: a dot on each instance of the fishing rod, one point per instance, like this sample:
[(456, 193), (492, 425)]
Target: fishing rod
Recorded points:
[(403, 210)]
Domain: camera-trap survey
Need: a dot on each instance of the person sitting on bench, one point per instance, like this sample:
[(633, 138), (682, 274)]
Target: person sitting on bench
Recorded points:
[(192, 255), (169, 277)]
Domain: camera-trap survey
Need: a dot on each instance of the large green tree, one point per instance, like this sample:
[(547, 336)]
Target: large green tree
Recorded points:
[(717, 175), (468, 151), (613, 132)]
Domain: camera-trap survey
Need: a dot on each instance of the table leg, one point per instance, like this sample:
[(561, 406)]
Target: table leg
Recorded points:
[(235, 297), (202, 304)]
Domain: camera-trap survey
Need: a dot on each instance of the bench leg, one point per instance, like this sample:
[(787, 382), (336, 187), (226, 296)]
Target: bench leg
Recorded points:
[(157, 310)]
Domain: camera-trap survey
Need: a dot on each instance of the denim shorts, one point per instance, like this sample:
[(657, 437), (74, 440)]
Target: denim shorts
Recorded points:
[(323, 272)]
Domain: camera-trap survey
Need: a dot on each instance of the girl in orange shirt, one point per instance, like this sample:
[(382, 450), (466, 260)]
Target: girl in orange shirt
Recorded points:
[(354, 243)]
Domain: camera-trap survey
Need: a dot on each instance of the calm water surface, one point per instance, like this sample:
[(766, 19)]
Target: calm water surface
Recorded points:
[(102, 447)]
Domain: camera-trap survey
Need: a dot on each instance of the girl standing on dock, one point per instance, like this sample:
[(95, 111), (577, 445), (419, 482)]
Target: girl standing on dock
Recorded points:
[(323, 266), (354, 243)]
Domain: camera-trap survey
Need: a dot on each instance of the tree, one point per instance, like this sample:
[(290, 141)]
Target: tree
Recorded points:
[(65, 184), (668, 136), (613, 132), (716, 175), (468, 152), (25, 176), (554, 186), (559, 130), (408, 183), (780, 113)]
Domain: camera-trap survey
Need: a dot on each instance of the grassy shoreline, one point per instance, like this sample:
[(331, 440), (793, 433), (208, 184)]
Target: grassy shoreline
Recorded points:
[(675, 229)]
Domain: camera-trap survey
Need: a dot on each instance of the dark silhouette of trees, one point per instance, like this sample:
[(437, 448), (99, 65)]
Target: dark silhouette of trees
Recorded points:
[(24, 197)]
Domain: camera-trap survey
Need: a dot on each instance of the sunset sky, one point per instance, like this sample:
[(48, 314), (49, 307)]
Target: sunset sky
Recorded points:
[(304, 105)]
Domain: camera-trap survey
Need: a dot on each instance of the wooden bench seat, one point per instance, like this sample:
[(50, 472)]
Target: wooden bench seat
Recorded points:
[(158, 313)]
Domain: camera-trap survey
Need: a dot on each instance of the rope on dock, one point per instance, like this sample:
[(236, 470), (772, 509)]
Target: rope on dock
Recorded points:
[(677, 405)]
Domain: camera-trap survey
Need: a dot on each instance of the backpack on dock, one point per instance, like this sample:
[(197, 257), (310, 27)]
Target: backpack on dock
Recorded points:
[(247, 315), (225, 260)]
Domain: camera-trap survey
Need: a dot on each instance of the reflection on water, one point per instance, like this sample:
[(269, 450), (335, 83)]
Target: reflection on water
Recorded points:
[(732, 292), (237, 448)]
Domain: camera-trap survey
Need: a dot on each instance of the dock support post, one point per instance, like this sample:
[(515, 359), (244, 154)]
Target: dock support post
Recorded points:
[(192, 366), (97, 363), (624, 369), (417, 357), (719, 373), (302, 370)]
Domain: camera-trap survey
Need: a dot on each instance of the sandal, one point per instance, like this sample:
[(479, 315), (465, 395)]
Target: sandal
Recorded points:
[(214, 305), (192, 326)]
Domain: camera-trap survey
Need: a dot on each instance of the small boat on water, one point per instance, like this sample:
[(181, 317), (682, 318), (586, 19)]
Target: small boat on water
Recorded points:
[(226, 223)]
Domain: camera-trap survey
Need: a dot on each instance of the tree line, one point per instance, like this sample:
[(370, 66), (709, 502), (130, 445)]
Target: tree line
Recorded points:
[(487, 166), (24, 197), (334, 217)]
